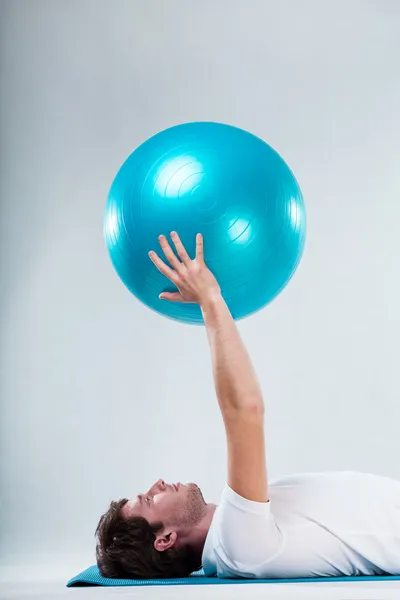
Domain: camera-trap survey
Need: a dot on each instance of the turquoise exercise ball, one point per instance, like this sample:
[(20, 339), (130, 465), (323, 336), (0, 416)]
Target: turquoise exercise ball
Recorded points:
[(217, 180)]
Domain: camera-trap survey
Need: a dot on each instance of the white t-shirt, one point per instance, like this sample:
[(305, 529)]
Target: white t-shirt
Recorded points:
[(315, 525)]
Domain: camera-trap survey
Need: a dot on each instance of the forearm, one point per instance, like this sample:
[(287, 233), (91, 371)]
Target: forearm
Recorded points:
[(236, 383)]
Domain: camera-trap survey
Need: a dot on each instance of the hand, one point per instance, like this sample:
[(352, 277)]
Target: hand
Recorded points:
[(194, 280)]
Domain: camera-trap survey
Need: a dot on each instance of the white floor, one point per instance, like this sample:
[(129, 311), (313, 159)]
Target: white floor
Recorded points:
[(379, 590)]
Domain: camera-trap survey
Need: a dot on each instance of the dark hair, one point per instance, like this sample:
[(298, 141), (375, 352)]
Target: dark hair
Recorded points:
[(125, 549)]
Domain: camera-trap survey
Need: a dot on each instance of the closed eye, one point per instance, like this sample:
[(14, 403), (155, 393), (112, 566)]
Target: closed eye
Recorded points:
[(148, 499)]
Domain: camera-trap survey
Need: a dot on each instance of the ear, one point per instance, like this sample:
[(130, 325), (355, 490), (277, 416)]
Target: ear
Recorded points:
[(166, 541)]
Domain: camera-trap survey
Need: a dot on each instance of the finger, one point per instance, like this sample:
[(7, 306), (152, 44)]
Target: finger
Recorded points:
[(162, 267), (199, 247), (169, 253), (171, 296), (180, 248)]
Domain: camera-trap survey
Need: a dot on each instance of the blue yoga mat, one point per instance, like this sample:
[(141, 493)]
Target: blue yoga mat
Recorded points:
[(92, 576)]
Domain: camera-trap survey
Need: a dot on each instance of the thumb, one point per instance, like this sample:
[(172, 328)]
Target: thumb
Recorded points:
[(171, 296)]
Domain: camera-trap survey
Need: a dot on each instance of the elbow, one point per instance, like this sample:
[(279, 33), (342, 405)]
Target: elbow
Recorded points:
[(247, 406)]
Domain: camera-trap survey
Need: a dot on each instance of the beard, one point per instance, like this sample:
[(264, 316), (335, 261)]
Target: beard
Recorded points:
[(194, 507)]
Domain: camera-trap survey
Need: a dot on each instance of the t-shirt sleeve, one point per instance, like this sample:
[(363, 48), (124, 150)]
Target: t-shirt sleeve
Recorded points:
[(246, 533)]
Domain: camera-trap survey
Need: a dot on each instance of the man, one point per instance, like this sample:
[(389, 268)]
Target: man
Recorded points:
[(318, 524)]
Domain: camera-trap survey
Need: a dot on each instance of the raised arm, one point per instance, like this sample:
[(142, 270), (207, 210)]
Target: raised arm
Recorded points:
[(240, 400), (238, 392)]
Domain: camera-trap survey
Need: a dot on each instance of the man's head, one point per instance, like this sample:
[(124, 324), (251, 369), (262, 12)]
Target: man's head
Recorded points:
[(159, 534)]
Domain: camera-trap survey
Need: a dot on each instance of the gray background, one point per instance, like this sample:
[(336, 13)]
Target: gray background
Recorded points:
[(100, 396)]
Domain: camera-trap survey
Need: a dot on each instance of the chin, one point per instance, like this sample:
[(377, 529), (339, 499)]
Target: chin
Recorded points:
[(196, 491)]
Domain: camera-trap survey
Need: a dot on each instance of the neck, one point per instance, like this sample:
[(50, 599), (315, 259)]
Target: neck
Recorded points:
[(199, 532)]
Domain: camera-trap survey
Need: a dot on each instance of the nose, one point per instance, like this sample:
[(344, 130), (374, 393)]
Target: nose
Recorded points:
[(159, 485)]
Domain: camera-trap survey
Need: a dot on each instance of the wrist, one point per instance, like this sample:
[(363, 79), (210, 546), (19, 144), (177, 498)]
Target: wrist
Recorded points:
[(210, 299)]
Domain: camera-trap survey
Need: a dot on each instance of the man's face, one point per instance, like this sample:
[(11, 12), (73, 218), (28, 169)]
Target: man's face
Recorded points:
[(175, 505)]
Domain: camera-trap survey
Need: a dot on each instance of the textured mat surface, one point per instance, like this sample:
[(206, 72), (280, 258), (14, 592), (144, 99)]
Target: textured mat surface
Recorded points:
[(92, 576)]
